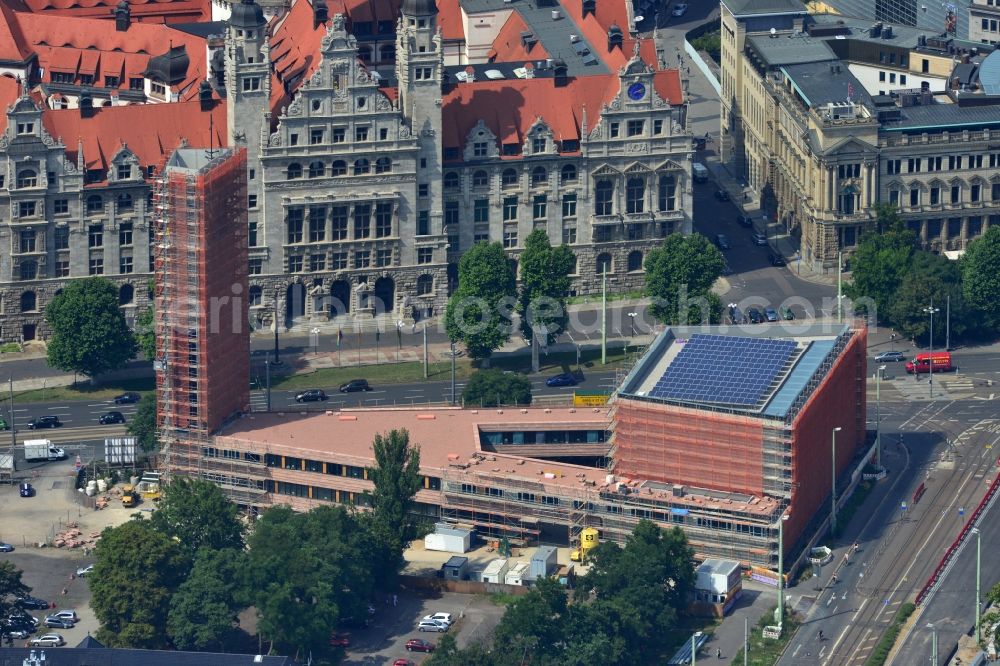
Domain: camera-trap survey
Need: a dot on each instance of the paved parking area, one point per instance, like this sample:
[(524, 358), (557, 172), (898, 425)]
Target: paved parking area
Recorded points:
[(384, 641)]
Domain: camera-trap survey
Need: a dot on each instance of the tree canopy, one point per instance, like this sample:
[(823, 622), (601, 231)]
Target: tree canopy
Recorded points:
[(981, 278), (198, 515), (89, 332), (879, 264), (203, 612), (493, 388), (477, 311), (11, 587), (396, 478), (679, 276), (136, 571), (930, 280), (545, 272), (145, 333), (142, 425)]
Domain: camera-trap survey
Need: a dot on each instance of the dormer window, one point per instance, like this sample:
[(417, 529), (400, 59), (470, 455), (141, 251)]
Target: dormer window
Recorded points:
[(135, 83), (26, 128), (124, 171), (158, 89), (538, 144), (480, 149)]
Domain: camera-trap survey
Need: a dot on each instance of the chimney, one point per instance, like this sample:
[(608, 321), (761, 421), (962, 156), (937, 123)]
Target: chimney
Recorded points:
[(86, 104), (123, 16), (615, 37), (205, 96), (589, 7), (321, 13), (528, 40)]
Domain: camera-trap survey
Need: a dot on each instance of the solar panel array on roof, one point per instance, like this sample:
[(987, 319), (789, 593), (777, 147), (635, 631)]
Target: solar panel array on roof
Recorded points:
[(723, 369)]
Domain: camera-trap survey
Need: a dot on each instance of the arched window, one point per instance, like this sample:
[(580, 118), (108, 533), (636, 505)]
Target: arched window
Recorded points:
[(568, 174), (124, 202), (386, 53), (126, 294), (95, 204), (451, 180), (635, 195), (29, 302), (255, 296), (480, 179), (604, 264), (634, 261), (509, 178), (604, 192), (316, 169), (361, 167), (539, 176), (425, 285), (383, 165), (338, 168), (667, 194), (294, 171), (27, 178)]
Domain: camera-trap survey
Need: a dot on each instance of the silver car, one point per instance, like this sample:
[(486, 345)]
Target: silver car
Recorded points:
[(48, 640)]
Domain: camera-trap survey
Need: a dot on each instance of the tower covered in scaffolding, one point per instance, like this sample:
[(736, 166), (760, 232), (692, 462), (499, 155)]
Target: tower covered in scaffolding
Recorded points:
[(202, 347)]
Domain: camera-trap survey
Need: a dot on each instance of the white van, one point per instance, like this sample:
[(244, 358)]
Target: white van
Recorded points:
[(699, 173)]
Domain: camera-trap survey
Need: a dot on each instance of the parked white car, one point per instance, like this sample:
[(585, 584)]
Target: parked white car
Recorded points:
[(440, 617), (432, 625), (48, 640), (85, 571)]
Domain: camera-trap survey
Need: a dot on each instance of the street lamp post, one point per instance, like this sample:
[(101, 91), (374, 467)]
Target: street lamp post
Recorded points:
[(934, 652), (930, 368), (979, 552), (631, 317), (781, 571), (833, 492)]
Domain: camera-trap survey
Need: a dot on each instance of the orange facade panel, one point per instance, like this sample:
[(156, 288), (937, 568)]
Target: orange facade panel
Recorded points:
[(689, 446)]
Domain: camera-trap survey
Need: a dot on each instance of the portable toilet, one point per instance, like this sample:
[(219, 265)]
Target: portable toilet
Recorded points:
[(495, 571)]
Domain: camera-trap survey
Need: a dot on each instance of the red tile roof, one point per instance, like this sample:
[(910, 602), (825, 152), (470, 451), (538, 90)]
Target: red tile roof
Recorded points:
[(366, 10), (10, 90), (295, 51), (143, 11), (595, 29), (13, 45), (507, 46), (510, 107), (151, 131), (449, 20), (87, 46)]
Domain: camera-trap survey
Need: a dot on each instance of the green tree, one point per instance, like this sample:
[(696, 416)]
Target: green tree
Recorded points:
[(11, 587), (887, 218), (478, 311), (308, 571), (145, 333), (879, 265), (493, 388), (545, 282), (203, 612), (199, 515), (679, 276), (931, 279), (396, 479), (981, 278), (136, 571), (142, 425), (89, 333)]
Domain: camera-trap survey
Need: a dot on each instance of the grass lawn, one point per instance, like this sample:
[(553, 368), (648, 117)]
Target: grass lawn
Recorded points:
[(85, 391), (413, 372)]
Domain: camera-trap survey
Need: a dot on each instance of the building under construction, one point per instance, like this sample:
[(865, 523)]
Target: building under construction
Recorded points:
[(721, 459), (202, 345)]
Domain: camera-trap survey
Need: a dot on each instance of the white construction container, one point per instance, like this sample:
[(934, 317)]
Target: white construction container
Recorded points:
[(718, 576), (449, 539), (517, 573), (495, 571)]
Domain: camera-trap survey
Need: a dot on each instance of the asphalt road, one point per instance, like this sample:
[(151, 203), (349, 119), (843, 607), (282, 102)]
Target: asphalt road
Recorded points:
[(898, 549)]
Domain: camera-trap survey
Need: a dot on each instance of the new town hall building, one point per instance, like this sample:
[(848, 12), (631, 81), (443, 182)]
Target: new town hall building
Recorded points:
[(379, 147)]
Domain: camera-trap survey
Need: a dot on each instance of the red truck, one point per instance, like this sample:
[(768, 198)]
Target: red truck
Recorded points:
[(941, 362)]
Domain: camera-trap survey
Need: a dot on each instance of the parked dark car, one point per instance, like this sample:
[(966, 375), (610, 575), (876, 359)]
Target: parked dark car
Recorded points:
[(32, 603), (112, 417), (6, 547), (355, 385), (312, 395), (786, 313), (44, 422), (890, 357), (722, 195), (564, 379), (735, 315), (759, 239), (754, 315), (3, 424), (27, 490), (770, 314), (127, 398), (722, 241), (744, 221), (776, 259), (419, 645)]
